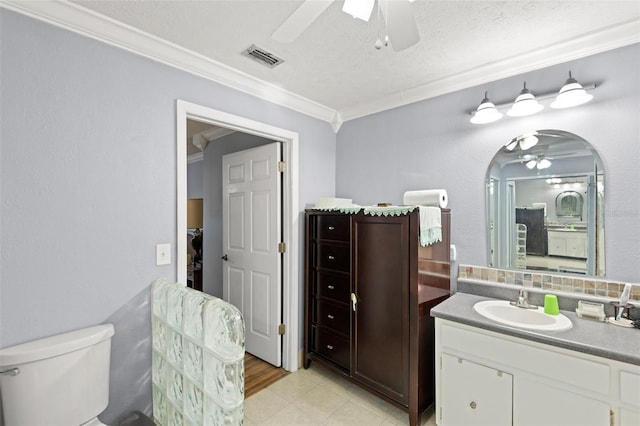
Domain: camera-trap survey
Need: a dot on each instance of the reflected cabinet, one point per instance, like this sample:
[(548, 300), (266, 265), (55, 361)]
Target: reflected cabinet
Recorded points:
[(369, 287)]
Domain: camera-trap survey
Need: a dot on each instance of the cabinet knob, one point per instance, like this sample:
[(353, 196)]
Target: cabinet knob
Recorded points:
[(331, 228), (330, 347), (332, 257), (330, 287), (330, 316), (473, 405)]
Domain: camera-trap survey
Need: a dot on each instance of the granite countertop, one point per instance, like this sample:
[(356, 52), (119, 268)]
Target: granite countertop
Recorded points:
[(587, 336)]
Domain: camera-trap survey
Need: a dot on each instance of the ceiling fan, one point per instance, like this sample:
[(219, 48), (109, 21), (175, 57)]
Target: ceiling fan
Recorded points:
[(396, 15)]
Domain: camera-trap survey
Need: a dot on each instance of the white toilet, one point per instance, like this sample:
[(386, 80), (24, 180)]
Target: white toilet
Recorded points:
[(60, 380)]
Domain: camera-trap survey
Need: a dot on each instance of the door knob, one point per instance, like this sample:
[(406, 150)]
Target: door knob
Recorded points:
[(225, 258)]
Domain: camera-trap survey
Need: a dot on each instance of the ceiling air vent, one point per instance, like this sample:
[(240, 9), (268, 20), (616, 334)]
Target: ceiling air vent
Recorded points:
[(262, 56)]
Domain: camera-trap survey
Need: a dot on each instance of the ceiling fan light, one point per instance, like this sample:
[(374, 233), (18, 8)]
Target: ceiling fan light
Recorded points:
[(486, 112), (525, 104), (360, 9), (528, 141), (543, 164), (571, 94), (531, 164), (511, 145)]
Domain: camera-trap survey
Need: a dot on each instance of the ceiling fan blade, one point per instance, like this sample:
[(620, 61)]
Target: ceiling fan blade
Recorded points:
[(300, 20), (401, 25)]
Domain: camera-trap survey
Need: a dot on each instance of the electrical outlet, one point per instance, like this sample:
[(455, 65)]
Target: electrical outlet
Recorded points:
[(163, 254)]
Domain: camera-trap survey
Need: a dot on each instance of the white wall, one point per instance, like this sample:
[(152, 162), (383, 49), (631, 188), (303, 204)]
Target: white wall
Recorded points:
[(431, 144), (88, 187)]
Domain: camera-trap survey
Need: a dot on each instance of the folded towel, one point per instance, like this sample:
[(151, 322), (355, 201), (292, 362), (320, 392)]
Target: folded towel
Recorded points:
[(430, 225)]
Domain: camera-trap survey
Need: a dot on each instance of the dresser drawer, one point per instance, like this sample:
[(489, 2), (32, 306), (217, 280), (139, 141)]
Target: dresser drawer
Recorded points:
[(331, 346), (334, 257), (333, 227), (332, 286), (331, 315)]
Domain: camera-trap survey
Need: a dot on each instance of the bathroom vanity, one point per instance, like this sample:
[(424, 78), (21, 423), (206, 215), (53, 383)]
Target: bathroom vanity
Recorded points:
[(488, 373), (369, 287)]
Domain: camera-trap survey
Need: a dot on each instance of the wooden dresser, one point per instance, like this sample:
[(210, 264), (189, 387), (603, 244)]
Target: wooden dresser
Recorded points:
[(369, 287)]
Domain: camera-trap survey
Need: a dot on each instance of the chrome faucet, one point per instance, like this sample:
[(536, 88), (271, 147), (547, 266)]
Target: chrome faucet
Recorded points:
[(523, 301)]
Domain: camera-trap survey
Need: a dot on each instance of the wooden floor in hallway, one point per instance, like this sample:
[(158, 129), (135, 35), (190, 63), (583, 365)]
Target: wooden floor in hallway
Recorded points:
[(259, 374)]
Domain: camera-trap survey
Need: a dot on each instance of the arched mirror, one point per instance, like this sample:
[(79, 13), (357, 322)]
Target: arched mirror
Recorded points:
[(545, 204)]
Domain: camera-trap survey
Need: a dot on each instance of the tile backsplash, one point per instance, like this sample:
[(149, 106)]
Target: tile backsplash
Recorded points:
[(589, 285)]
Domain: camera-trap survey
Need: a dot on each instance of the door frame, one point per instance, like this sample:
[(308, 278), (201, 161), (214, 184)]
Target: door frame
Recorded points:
[(291, 258)]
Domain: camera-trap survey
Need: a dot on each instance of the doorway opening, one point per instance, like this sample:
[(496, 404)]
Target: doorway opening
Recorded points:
[(290, 259)]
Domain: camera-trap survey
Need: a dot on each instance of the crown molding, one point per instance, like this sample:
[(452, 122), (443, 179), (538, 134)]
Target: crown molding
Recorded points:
[(88, 23), (590, 44), (83, 21)]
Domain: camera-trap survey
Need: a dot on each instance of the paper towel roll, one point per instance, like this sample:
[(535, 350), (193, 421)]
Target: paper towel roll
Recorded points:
[(426, 197)]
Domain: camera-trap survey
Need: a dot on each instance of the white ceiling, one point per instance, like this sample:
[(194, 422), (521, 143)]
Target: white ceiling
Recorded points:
[(333, 65)]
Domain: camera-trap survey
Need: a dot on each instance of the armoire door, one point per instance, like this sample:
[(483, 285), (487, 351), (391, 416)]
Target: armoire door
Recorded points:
[(380, 304)]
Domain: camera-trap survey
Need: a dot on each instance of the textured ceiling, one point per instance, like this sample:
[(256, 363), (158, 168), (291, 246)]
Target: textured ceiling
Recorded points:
[(334, 62)]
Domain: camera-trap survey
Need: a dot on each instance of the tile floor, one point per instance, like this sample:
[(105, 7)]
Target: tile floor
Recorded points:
[(319, 397)]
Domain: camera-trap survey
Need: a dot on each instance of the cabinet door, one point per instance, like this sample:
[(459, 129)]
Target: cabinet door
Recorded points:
[(380, 333), (576, 246), (557, 244), (537, 404), (473, 394)]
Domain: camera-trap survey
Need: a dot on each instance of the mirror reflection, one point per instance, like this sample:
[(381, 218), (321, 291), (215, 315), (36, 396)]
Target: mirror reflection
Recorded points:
[(545, 204)]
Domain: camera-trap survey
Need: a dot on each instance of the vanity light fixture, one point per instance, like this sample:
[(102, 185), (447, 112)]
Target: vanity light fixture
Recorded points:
[(486, 112), (571, 94), (525, 104)]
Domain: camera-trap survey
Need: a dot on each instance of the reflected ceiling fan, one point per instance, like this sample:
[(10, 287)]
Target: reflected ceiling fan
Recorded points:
[(396, 15)]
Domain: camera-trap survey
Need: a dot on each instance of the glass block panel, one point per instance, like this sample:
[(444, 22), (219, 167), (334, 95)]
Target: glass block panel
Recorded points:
[(159, 297), (174, 417), (216, 416), (174, 348), (193, 402), (224, 330), (159, 371), (159, 406), (193, 303), (175, 295), (175, 387), (192, 361), (224, 381), (159, 335), (183, 320)]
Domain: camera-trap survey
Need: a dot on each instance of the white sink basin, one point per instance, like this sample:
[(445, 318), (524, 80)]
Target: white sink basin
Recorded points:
[(533, 319)]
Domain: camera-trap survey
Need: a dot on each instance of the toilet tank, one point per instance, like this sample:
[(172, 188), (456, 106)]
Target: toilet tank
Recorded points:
[(60, 380)]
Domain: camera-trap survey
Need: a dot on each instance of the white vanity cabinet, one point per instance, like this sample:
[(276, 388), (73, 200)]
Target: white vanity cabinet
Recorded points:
[(488, 378), (629, 397), (473, 394), (567, 243)]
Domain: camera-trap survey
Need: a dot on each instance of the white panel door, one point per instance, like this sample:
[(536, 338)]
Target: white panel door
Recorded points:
[(252, 271)]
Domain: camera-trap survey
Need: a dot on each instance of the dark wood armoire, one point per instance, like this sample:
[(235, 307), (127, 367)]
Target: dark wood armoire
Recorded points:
[(369, 287)]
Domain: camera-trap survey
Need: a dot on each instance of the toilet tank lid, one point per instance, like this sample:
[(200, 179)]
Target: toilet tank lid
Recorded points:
[(54, 345)]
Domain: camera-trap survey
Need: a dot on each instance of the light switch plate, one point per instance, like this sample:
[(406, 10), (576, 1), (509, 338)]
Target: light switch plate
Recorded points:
[(163, 254), (453, 253)]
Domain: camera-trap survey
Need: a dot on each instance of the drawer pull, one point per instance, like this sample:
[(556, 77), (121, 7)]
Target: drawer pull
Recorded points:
[(332, 257), (330, 347), (330, 316), (473, 405), (331, 228), (330, 287)]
